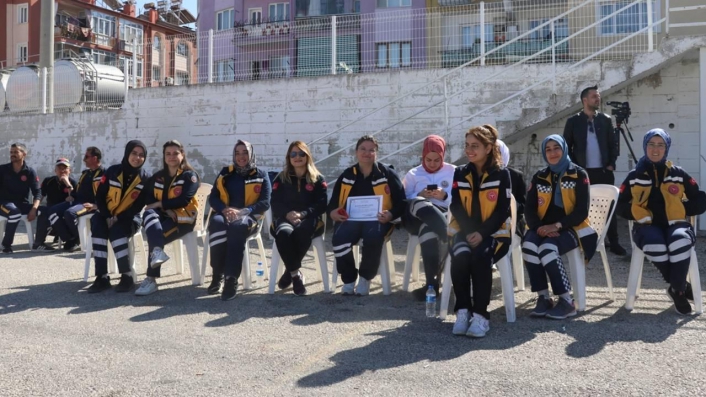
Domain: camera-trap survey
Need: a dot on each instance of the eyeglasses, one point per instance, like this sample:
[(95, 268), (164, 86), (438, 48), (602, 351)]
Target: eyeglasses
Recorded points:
[(138, 154), (88, 156), (294, 154), (660, 146), (474, 147)]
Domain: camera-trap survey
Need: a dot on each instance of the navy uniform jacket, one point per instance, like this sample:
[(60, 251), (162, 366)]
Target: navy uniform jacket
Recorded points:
[(17, 186)]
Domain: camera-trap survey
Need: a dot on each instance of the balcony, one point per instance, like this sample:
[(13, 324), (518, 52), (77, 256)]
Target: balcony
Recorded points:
[(445, 3), (345, 21), (73, 32), (514, 52)]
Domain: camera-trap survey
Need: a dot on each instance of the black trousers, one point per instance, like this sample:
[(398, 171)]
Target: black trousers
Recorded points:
[(227, 242), (424, 219), (603, 176)]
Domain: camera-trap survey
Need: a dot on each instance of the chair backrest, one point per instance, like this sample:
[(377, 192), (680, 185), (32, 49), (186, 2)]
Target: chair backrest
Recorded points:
[(513, 215), (604, 199), (202, 198)]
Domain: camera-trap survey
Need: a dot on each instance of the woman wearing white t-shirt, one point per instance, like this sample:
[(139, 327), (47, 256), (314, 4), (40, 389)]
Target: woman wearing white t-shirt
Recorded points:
[(428, 191)]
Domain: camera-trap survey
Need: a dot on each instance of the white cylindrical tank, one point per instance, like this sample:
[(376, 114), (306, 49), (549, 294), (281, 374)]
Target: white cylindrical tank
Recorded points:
[(23, 90), (4, 77), (81, 82)]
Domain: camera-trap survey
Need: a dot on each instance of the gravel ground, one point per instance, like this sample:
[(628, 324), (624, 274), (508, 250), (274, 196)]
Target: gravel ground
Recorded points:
[(56, 340)]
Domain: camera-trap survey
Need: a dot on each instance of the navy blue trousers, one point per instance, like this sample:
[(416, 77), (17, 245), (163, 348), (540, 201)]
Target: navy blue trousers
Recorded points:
[(669, 249), (161, 230), (542, 257)]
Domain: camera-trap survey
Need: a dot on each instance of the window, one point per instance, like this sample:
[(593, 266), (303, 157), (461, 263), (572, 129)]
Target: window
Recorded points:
[(254, 16), (22, 13), (156, 44), (394, 55), (470, 35), (121, 66), (131, 32), (225, 19), (103, 24), (224, 70), (278, 12), (394, 3), (103, 57), (22, 53), (561, 28), (628, 21), (157, 74), (356, 6), (182, 79), (279, 66), (182, 49)]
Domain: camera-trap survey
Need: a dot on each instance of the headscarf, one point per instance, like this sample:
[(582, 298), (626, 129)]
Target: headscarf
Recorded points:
[(127, 168), (560, 167), (645, 161), (243, 171), (504, 152), (435, 144)]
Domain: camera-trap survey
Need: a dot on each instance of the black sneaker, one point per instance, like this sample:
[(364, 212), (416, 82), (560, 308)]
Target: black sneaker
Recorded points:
[(126, 283), (229, 288), (285, 281), (298, 285), (544, 304), (72, 245), (688, 292), (617, 249), (216, 284), (561, 310), (99, 285), (42, 247), (681, 304), (7, 250)]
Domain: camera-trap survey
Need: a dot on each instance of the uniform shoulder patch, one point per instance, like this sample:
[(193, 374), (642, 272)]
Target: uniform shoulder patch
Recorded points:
[(692, 181), (194, 179)]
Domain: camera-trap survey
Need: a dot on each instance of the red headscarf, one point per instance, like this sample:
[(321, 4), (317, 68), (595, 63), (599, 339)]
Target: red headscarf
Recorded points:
[(436, 144)]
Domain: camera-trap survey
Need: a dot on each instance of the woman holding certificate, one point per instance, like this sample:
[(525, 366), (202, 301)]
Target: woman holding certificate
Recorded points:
[(240, 195), (480, 204), (298, 201), (366, 198), (428, 191)]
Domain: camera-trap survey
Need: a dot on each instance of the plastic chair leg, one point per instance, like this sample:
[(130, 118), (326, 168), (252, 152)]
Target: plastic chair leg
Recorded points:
[(178, 248), (192, 253), (30, 231), (390, 262), (505, 269), (696, 282), (204, 260), (320, 252), (445, 289), (410, 263), (274, 265), (245, 273), (608, 276), (261, 247), (518, 267), (634, 277), (384, 270)]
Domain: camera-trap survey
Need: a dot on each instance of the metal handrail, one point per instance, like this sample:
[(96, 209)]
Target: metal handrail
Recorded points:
[(654, 24), (503, 71), (454, 70)]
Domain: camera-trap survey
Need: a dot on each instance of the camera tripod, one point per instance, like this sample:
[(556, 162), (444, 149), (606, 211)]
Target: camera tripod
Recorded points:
[(619, 129)]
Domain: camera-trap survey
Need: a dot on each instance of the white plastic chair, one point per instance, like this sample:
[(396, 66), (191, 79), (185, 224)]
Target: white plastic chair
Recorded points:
[(28, 226), (386, 269), (319, 252), (599, 216), (267, 223), (504, 267), (189, 241), (84, 233), (635, 275), (257, 237)]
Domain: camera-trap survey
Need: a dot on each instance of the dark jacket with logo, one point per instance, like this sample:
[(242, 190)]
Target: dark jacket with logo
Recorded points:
[(114, 199), (16, 186), (575, 132), (299, 195), (88, 185), (54, 191)]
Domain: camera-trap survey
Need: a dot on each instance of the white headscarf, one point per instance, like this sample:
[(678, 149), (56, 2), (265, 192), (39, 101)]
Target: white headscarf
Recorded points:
[(504, 152)]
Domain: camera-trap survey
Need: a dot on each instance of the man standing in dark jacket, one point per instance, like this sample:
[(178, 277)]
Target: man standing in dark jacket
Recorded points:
[(594, 145), (17, 181)]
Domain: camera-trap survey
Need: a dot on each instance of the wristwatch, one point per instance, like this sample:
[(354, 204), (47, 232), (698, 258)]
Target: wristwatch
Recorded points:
[(557, 225)]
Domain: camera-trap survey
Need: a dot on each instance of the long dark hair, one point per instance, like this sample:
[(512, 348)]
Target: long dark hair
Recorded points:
[(184, 162), (487, 136)]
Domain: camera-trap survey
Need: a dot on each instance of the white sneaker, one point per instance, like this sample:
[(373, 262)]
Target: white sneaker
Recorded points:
[(147, 286), (157, 257), (479, 326), (363, 288), (348, 289), (461, 325)]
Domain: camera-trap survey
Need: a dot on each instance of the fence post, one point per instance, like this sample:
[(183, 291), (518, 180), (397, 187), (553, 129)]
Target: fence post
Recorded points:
[(210, 55), (650, 27), (134, 63), (44, 90), (482, 33), (333, 44), (666, 21), (127, 79), (446, 108), (553, 32)]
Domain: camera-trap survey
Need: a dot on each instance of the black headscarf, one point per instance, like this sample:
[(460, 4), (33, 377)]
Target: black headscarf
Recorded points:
[(251, 160), (129, 172)]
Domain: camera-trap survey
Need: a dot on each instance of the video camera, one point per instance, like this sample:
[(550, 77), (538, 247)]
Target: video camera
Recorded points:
[(621, 111)]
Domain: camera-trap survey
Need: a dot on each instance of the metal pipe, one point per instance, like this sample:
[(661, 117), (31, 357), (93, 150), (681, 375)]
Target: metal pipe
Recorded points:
[(210, 55), (334, 43), (482, 33), (46, 51), (44, 90)]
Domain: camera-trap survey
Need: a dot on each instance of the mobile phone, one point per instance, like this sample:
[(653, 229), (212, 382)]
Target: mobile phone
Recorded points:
[(432, 187)]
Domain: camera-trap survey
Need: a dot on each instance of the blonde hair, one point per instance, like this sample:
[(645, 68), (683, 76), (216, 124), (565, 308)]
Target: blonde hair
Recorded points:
[(312, 173), (487, 136)]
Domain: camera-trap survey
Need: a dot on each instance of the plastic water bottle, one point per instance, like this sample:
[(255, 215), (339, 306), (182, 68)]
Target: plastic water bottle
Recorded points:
[(260, 274), (431, 302)]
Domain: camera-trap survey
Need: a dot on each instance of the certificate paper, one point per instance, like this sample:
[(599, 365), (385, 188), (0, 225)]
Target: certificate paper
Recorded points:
[(364, 208)]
